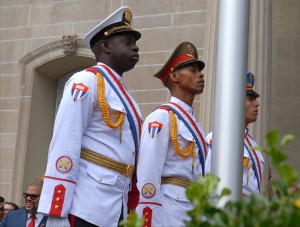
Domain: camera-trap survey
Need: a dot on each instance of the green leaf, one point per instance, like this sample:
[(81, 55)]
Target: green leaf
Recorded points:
[(272, 137), (225, 191), (211, 182), (277, 156), (287, 174), (286, 139), (133, 221)]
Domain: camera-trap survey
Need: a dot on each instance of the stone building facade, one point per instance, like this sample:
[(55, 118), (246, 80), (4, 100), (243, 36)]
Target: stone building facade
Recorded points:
[(41, 46)]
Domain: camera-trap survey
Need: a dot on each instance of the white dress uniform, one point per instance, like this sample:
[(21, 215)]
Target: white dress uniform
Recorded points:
[(165, 204), (250, 182), (73, 185)]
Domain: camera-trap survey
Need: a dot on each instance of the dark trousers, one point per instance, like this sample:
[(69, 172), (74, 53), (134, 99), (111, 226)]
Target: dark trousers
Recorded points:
[(78, 222)]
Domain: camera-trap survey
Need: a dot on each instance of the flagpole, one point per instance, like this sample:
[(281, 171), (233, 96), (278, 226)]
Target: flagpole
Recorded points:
[(229, 107)]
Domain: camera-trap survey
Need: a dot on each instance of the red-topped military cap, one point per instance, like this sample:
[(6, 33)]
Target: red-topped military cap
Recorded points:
[(185, 53), (250, 84), (118, 21)]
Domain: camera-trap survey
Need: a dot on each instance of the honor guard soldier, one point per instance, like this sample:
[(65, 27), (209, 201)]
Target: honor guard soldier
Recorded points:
[(253, 162), (95, 141), (173, 146)]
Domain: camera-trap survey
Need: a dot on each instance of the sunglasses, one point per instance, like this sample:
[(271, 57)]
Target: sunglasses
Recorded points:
[(32, 196)]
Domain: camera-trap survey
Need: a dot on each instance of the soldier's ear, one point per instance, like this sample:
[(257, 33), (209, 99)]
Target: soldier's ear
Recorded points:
[(173, 76), (100, 47), (105, 46)]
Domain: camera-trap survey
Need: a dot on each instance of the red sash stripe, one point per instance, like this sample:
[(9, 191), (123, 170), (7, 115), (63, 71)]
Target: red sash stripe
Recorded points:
[(195, 126), (126, 95), (192, 127)]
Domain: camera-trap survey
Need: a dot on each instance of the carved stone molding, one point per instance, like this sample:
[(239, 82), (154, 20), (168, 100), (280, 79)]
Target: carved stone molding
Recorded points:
[(50, 49), (69, 43)]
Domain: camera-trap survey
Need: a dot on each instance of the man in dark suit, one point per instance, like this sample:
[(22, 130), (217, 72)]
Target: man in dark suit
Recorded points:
[(1, 208), (27, 216)]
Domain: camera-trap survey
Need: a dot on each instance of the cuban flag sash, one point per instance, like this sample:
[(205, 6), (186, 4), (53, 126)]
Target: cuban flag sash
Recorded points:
[(192, 127), (132, 114), (255, 161)]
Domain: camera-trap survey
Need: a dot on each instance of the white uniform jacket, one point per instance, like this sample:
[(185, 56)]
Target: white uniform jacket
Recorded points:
[(73, 185), (165, 204), (250, 183)]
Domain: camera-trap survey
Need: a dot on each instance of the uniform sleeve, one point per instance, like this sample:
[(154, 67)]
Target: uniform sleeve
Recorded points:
[(72, 119), (153, 151)]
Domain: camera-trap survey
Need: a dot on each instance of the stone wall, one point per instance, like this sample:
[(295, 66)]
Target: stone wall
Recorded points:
[(285, 83), (30, 50), (31, 29)]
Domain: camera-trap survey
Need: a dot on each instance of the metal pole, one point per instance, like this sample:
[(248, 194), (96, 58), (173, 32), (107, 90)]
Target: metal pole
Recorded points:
[(229, 115)]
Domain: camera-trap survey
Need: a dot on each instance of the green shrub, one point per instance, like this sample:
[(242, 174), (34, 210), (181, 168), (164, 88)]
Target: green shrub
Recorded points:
[(283, 209)]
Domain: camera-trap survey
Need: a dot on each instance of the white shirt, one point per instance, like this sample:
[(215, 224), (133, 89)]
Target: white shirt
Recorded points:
[(38, 219)]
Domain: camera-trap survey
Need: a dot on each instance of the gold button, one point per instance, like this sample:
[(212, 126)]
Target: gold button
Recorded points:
[(56, 207), (146, 220), (57, 199), (146, 213), (106, 33), (59, 192)]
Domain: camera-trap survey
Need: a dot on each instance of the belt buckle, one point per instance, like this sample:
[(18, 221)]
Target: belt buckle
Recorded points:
[(129, 171)]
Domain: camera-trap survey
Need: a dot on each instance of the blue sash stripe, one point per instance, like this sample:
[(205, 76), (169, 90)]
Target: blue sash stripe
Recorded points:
[(43, 221), (201, 158), (129, 115), (254, 166)]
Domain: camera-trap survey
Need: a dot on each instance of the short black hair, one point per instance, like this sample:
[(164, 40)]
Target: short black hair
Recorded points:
[(16, 207)]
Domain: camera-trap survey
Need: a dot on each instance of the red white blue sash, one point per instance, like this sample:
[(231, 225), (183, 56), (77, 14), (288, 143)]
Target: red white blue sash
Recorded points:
[(255, 161), (132, 114), (188, 121)]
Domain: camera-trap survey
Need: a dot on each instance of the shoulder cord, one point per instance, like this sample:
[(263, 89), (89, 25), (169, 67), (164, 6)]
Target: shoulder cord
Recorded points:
[(105, 108), (246, 164), (184, 153)]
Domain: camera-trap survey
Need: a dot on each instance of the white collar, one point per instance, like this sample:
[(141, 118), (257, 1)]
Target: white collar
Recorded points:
[(185, 106), (114, 72), (39, 216)]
